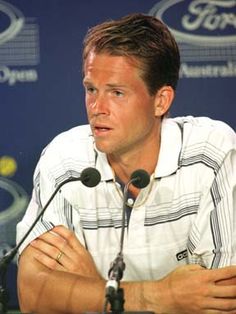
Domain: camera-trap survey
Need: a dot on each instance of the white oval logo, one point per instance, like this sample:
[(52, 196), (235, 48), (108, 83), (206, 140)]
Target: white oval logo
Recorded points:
[(198, 19), (13, 21)]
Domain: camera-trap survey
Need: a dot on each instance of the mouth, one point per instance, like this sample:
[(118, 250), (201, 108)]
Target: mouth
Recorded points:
[(99, 130)]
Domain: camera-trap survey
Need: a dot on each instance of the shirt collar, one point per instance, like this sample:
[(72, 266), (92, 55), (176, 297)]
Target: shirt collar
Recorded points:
[(171, 143), (103, 166)]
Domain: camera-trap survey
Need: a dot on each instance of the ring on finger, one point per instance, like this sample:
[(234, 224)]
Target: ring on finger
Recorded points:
[(59, 256)]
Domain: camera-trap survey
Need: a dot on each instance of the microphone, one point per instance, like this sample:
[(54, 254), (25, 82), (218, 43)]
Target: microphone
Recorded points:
[(90, 177), (115, 295), (139, 178)]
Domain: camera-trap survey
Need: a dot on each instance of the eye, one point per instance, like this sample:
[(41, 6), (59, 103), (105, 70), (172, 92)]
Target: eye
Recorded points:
[(90, 89), (118, 93)]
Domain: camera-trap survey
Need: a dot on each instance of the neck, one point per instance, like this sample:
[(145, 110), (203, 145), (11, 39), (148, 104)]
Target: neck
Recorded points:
[(124, 165)]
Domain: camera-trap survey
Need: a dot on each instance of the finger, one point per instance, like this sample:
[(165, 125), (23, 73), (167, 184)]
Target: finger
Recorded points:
[(46, 248), (54, 239), (67, 258), (226, 305), (224, 291), (69, 236), (77, 249), (48, 261), (219, 312), (223, 273), (221, 304), (74, 253), (226, 282), (62, 244), (60, 235)]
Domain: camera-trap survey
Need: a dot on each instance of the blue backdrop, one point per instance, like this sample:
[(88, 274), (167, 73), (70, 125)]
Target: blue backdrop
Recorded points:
[(41, 91)]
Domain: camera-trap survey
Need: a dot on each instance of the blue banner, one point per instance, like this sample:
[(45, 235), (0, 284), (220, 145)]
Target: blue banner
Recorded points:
[(41, 88)]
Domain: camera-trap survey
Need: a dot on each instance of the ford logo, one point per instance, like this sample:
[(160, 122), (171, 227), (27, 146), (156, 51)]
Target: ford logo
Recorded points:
[(199, 22), (11, 21)]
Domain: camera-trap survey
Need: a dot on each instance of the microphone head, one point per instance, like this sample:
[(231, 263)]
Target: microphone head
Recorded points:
[(140, 178), (90, 177)]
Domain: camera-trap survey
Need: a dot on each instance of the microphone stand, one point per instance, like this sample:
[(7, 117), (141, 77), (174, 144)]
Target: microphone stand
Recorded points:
[(89, 177), (115, 294)]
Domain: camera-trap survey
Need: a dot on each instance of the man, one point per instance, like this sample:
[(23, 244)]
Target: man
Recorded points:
[(180, 230)]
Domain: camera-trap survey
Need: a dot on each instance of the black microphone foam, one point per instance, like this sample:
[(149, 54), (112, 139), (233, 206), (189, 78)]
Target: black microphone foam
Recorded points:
[(140, 178), (90, 177)]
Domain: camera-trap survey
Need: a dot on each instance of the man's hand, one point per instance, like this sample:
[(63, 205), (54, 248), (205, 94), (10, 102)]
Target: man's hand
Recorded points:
[(189, 289), (60, 249), (192, 289)]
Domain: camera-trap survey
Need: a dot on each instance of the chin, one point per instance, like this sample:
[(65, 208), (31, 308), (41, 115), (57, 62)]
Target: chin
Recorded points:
[(103, 148), (108, 150)]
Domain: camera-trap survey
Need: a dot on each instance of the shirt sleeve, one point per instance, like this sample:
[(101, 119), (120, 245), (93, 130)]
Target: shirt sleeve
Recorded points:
[(213, 234), (58, 211)]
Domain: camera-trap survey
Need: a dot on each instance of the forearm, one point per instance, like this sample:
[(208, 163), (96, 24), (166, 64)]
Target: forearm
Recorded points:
[(188, 289), (42, 290), (74, 285), (151, 296)]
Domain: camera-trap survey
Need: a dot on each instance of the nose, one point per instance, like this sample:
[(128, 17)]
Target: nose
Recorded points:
[(99, 106)]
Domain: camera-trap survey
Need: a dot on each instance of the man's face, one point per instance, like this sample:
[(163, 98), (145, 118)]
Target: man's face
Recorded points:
[(120, 110)]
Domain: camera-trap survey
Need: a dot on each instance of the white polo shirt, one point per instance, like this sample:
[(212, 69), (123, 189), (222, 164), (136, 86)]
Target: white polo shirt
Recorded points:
[(187, 214)]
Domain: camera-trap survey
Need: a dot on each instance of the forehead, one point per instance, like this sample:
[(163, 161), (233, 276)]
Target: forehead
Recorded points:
[(103, 69), (109, 63)]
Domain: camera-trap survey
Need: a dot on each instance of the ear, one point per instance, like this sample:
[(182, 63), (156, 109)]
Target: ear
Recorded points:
[(163, 100)]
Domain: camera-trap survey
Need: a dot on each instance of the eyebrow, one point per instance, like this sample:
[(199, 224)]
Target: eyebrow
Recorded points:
[(116, 85), (87, 82)]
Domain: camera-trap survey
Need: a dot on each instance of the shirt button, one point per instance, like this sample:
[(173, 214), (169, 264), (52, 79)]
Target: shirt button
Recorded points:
[(130, 201)]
